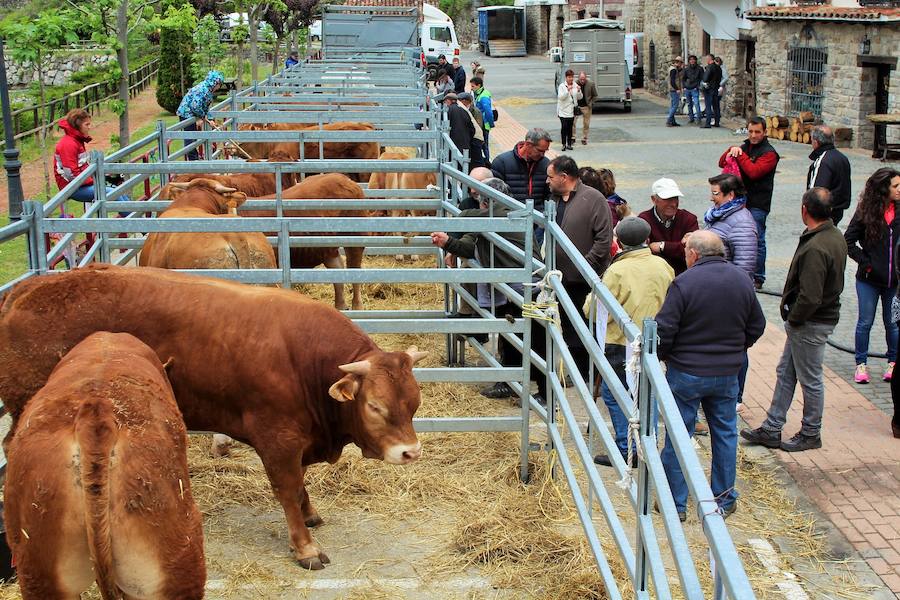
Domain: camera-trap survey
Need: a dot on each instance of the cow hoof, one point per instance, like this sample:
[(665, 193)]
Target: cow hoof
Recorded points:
[(314, 521), (341, 306), (315, 563), (221, 445)]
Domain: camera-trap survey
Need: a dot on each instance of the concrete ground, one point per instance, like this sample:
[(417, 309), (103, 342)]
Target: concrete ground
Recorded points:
[(853, 484)]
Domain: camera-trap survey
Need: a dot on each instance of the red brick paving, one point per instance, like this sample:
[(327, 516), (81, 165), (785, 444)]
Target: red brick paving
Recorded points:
[(854, 479)]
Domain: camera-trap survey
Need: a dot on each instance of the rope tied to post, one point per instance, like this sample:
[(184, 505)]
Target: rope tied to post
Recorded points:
[(633, 368), (545, 306)]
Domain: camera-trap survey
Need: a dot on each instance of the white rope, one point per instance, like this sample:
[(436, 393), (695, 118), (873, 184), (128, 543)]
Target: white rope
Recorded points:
[(545, 307), (633, 368)]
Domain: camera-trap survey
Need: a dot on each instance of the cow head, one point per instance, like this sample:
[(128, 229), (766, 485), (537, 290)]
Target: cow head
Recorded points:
[(382, 395), (209, 194)]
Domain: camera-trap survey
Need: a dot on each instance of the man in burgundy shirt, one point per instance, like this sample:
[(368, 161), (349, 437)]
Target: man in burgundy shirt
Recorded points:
[(668, 223)]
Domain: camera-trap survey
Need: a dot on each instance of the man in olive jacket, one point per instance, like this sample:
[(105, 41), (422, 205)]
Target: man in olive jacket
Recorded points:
[(810, 307)]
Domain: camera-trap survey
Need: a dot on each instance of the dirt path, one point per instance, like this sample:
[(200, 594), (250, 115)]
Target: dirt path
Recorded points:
[(144, 109)]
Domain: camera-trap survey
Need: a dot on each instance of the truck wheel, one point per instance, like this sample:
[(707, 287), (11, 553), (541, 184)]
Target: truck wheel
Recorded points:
[(627, 107)]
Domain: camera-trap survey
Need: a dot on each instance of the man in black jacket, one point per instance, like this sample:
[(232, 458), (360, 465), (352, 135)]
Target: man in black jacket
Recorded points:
[(830, 169), (461, 129), (712, 79), (810, 307), (691, 77), (459, 76), (704, 348), (524, 169)]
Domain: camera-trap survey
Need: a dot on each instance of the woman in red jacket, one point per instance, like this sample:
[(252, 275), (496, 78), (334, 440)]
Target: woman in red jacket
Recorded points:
[(71, 157)]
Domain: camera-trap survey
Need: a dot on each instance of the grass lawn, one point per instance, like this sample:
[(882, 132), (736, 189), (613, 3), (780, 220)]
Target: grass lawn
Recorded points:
[(13, 255)]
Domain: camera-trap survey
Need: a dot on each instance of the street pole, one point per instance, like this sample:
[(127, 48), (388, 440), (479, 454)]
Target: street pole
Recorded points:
[(10, 153)]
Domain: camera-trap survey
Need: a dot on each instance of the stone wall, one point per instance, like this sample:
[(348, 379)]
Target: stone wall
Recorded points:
[(58, 68), (543, 26), (848, 87)]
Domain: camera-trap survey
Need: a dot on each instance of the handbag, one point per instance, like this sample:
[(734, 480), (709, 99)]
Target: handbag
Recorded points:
[(731, 167)]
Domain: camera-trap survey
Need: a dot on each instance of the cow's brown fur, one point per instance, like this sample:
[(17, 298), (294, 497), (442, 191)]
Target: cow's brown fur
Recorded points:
[(334, 186), (222, 250), (292, 377), (339, 150), (255, 185), (97, 484)]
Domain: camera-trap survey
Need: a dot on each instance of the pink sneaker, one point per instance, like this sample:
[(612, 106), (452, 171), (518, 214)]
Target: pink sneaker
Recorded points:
[(889, 372), (862, 374)]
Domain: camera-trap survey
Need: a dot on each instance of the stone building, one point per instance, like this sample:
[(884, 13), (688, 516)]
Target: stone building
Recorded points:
[(838, 62)]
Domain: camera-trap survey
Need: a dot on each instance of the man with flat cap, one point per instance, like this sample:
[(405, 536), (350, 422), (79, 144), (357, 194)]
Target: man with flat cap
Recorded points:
[(639, 281)]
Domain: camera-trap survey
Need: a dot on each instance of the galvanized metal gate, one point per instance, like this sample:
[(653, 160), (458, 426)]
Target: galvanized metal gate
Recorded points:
[(807, 58), (338, 89)]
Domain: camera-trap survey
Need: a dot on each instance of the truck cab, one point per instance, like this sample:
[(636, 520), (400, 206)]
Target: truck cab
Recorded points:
[(438, 37)]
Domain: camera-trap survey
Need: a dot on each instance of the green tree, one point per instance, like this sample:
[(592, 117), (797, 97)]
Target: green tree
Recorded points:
[(176, 27), (209, 46), (30, 40), (110, 22)]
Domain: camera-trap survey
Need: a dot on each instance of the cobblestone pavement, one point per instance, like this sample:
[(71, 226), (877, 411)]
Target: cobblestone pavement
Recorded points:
[(854, 485)]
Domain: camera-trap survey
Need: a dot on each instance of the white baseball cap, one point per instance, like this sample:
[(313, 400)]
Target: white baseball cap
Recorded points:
[(665, 188)]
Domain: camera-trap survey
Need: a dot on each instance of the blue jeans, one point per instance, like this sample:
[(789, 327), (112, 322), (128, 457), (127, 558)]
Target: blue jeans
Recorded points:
[(487, 146), (193, 154), (86, 194), (759, 215), (615, 354), (711, 100), (867, 296), (693, 103), (718, 396), (674, 99)]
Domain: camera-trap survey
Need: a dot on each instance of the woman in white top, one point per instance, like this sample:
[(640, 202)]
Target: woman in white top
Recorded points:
[(567, 97)]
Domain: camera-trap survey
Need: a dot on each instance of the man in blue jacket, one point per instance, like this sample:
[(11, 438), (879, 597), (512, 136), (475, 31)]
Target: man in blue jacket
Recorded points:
[(483, 103), (708, 320)]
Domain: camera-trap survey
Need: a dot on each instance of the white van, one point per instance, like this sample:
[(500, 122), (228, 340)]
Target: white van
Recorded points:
[(438, 37)]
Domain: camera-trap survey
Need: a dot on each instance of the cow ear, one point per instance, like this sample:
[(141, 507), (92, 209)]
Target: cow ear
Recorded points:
[(345, 389)]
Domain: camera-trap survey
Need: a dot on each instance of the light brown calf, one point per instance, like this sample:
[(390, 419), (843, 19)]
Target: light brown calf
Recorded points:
[(97, 486)]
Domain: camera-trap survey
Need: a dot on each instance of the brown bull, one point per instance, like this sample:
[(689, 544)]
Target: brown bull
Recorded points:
[(255, 185), (338, 150), (327, 186), (205, 198), (97, 486), (291, 377)]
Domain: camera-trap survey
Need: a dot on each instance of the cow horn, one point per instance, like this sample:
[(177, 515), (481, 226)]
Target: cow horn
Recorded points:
[(181, 185), (360, 367), (415, 355), (223, 189)]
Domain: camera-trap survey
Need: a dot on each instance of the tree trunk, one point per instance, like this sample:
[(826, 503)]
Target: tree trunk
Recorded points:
[(122, 55), (275, 55), (254, 59), (240, 67), (43, 130)]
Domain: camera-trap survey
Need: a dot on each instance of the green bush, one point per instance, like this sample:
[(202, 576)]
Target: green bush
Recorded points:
[(175, 68)]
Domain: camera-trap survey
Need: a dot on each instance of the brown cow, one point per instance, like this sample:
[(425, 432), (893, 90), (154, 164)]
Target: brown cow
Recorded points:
[(291, 377), (401, 181), (97, 486), (335, 186), (205, 198), (254, 185), (338, 150)]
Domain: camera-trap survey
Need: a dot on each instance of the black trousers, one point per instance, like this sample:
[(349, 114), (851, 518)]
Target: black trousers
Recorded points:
[(566, 132), (836, 215), (510, 357), (578, 292), (193, 154)]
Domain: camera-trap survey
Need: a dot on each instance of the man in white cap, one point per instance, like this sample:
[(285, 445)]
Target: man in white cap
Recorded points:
[(668, 223)]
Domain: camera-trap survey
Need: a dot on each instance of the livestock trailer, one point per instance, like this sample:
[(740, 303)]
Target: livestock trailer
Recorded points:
[(346, 29), (501, 30), (597, 47)]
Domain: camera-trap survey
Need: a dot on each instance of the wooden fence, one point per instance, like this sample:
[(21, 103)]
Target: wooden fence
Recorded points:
[(44, 116)]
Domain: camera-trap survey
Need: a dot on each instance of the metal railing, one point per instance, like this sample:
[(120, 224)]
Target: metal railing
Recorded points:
[(639, 549)]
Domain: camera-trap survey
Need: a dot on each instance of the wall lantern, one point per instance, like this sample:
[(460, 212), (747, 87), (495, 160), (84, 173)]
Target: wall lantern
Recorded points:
[(865, 46)]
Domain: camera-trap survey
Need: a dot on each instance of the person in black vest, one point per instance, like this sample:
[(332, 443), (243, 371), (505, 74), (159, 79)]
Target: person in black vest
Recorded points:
[(712, 79), (524, 169), (757, 160), (830, 169), (461, 129)]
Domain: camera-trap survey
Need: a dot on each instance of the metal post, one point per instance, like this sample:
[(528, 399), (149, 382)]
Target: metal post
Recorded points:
[(38, 240), (10, 153), (526, 343), (163, 149), (550, 262), (646, 412), (100, 195)]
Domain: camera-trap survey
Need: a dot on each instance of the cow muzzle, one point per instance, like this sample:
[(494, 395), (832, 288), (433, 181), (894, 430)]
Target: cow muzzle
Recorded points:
[(402, 454)]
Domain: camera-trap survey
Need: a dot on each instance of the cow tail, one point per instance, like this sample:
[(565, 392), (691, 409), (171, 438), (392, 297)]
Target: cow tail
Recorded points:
[(95, 431)]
